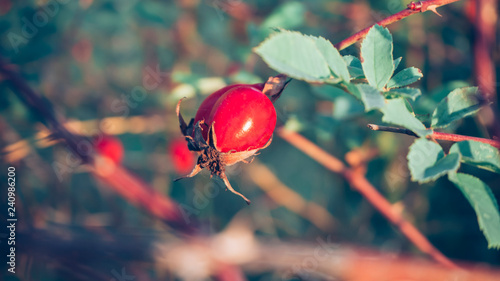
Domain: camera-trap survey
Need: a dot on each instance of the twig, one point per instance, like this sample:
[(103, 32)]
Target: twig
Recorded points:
[(413, 8), (363, 186), (392, 129), (435, 135)]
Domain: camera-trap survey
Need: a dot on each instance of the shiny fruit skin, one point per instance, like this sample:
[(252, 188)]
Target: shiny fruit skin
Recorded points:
[(206, 106), (244, 119), (110, 147)]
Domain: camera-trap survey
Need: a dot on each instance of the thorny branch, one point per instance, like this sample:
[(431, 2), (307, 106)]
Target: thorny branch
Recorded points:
[(413, 8)]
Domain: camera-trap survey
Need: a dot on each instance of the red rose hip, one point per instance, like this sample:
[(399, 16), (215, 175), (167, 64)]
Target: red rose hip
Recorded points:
[(208, 104), (243, 119), (231, 124)]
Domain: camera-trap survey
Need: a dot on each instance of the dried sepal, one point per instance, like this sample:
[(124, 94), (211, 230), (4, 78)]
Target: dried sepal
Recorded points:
[(191, 132), (228, 186), (193, 173), (182, 124)]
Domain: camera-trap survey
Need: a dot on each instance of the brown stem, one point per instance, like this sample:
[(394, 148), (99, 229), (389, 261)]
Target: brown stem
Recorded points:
[(363, 186), (435, 135), (413, 8)]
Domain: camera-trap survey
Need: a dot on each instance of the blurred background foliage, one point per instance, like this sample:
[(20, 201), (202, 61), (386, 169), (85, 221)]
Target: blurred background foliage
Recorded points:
[(129, 62)]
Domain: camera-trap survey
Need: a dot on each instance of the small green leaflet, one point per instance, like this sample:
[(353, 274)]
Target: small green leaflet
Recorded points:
[(411, 93), (303, 57), (333, 58), (458, 104), (376, 51), (484, 203), (354, 66), (395, 112), (396, 62), (479, 154), (295, 55), (427, 162), (371, 97), (405, 77)]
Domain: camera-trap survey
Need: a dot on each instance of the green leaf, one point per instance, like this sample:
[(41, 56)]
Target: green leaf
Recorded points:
[(484, 203), (294, 54), (371, 97), (427, 162), (396, 62), (405, 77), (354, 66), (411, 93), (395, 112), (353, 90), (479, 154), (458, 104), (333, 58), (377, 61)]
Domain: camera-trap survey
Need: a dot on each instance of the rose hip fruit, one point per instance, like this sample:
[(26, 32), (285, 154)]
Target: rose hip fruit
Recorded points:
[(243, 119), (208, 104), (231, 125)]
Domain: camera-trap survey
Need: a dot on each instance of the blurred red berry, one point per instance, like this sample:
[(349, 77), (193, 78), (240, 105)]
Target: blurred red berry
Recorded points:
[(110, 147), (182, 158)]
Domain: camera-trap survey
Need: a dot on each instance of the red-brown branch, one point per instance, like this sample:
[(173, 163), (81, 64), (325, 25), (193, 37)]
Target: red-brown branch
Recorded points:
[(418, 7), (435, 135), (456, 138), (363, 186)]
